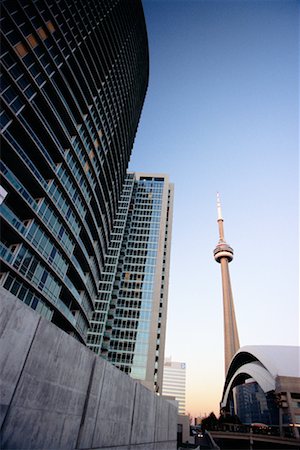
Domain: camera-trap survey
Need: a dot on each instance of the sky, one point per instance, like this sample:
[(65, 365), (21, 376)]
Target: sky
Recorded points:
[(222, 115)]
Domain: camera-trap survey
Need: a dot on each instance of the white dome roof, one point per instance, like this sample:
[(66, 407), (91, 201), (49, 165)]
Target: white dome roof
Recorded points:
[(282, 360), (263, 363)]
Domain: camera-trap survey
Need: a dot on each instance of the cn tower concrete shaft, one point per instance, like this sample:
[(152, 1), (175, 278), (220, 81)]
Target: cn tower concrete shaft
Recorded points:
[(223, 254), (231, 338)]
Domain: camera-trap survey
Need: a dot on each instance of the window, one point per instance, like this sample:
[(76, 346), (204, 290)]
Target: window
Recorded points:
[(32, 41), (21, 49), (4, 120), (50, 26), (42, 33)]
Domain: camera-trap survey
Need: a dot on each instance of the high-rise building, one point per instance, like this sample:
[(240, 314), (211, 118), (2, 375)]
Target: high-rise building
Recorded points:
[(223, 254), (74, 76), (129, 322), (174, 382)]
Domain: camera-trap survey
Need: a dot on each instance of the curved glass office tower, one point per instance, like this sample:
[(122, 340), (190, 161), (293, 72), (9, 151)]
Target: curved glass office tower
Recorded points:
[(74, 76)]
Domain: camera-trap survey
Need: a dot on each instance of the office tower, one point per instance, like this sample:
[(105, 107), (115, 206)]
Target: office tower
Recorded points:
[(224, 254), (174, 381), (74, 77), (129, 322)]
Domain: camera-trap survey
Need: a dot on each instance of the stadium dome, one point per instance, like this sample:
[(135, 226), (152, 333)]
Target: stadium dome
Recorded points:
[(262, 363)]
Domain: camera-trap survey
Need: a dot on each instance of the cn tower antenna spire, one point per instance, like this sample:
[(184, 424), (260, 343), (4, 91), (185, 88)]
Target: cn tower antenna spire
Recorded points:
[(219, 207), (220, 219), (223, 254)]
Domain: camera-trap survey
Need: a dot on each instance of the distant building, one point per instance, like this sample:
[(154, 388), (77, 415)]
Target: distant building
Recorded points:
[(174, 383), (74, 77), (129, 323)]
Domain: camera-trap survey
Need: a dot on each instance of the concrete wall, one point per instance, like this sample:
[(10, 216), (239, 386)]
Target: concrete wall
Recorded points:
[(57, 394), (185, 422)]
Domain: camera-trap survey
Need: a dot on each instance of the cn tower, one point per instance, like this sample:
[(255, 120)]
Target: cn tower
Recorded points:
[(223, 254)]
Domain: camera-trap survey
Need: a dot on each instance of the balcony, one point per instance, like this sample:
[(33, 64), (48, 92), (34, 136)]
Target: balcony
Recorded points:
[(106, 336)]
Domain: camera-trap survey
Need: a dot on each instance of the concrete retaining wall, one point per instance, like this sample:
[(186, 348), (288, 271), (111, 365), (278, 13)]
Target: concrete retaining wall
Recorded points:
[(57, 394)]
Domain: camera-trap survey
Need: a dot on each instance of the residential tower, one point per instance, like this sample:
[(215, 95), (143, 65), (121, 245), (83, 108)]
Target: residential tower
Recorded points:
[(129, 323), (74, 77)]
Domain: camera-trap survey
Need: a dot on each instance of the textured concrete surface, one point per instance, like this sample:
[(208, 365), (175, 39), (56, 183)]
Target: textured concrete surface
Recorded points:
[(89, 420), (115, 409), (57, 394), (154, 446), (162, 415), (143, 415), (17, 328), (172, 418)]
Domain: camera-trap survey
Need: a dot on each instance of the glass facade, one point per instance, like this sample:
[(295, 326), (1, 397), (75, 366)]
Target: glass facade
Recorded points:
[(74, 75), (128, 325), (254, 406)]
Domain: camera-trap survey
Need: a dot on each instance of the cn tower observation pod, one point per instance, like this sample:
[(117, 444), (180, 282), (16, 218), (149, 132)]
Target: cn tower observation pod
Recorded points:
[(223, 250)]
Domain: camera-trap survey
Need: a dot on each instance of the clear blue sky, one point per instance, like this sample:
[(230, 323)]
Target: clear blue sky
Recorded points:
[(222, 114)]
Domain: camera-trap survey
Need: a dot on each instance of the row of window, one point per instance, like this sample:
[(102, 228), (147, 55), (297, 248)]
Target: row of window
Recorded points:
[(137, 277), (133, 313), (19, 289), (133, 294), (97, 326), (137, 226), (138, 360), (121, 357), (148, 195), (29, 266), (99, 312), (140, 254), (94, 340), (140, 234), (77, 174), (137, 264), (52, 221), (72, 191), (64, 206), (134, 285), (19, 149), (44, 211), (146, 244), (142, 206), (22, 81), (81, 323), (126, 324), (77, 146), (146, 217), (43, 244)]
